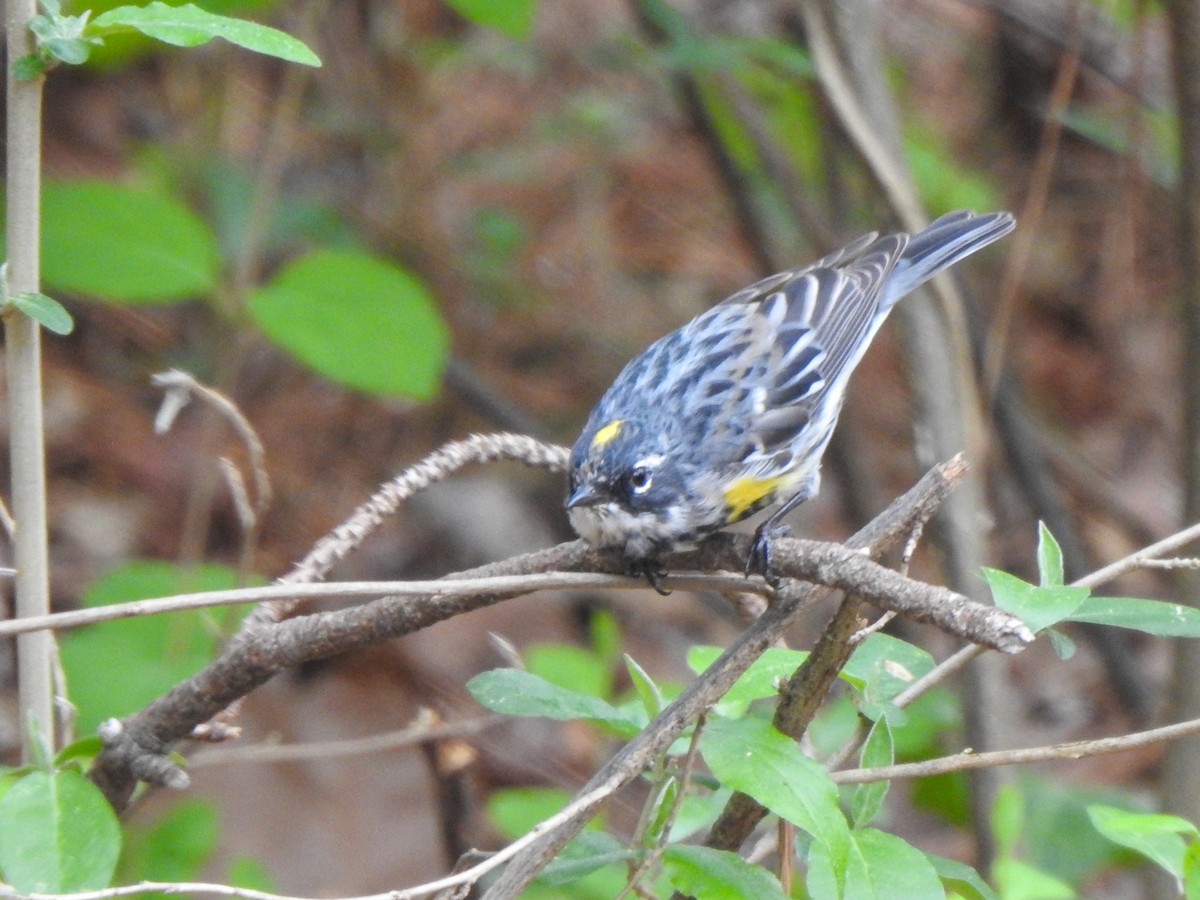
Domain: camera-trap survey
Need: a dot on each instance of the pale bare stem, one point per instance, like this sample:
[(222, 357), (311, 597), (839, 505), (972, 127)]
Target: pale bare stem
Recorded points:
[(910, 546), (371, 590), (878, 625), (1072, 750), (377, 743), (179, 388), (478, 448), (506, 650), (1138, 559), (763, 847), (237, 490), (1182, 562), (786, 841)]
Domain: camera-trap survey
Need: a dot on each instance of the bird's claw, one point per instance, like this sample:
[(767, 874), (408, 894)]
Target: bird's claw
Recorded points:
[(759, 561), (653, 573)]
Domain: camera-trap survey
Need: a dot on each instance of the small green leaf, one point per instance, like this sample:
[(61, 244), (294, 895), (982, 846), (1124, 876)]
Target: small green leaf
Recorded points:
[(125, 245), (1038, 607), (518, 693), (884, 666), (1156, 836), (189, 25), (1151, 616), (513, 17), (72, 51), (1018, 880), (28, 66), (647, 691), (1050, 562), (57, 834), (661, 801), (1063, 643), (761, 680), (46, 310), (708, 874), (750, 756), (356, 319), (86, 749), (877, 751), (962, 879), (38, 742)]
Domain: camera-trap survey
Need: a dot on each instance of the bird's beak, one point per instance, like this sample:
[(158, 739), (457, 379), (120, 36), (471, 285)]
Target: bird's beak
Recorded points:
[(584, 495)]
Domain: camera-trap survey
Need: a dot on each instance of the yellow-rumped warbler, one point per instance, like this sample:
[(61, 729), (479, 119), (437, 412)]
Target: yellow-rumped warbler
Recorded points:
[(732, 412)]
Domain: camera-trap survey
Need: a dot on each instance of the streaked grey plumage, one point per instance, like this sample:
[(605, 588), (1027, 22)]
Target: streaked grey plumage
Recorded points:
[(732, 412)]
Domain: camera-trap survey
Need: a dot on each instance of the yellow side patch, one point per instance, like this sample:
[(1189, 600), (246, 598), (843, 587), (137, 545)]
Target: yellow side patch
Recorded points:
[(745, 494), (607, 433)]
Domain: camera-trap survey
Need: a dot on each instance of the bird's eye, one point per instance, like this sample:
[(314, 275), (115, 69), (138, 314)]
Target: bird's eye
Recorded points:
[(639, 480)]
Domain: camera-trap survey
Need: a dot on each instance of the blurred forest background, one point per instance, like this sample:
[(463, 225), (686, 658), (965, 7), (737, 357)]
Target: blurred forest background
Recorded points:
[(565, 195)]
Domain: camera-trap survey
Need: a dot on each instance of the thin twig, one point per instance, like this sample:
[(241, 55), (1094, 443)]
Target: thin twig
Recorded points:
[(1071, 750), (179, 388), (376, 743), (372, 590)]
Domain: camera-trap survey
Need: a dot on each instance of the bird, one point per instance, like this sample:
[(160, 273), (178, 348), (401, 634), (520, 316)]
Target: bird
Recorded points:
[(731, 413)]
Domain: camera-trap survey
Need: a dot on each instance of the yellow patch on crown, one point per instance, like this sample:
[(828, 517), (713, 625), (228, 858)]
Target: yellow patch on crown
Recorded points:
[(748, 493), (607, 433)]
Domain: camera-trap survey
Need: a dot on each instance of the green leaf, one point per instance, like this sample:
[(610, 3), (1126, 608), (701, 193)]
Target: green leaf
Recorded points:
[(46, 310), (84, 749), (884, 666), (1151, 616), (189, 26), (1057, 836), (962, 879), (1063, 643), (750, 756), (1038, 607), (879, 866), (71, 51), (57, 834), (1156, 836), (124, 245), (518, 693), (1050, 562), (157, 652), (647, 691), (708, 874), (38, 741), (569, 667), (358, 320), (877, 751), (1020, 881), (583, 855), (1008, 819), (28, 66), (513, 811), (513, 17), (759, 681), (1191, 871), (175, 846)]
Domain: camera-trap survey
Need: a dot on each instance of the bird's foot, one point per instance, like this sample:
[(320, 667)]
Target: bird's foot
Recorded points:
[(759, 561)]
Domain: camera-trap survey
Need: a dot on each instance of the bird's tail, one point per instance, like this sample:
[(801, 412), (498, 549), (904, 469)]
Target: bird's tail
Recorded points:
[(947, 240)]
